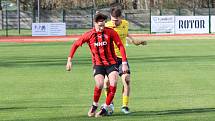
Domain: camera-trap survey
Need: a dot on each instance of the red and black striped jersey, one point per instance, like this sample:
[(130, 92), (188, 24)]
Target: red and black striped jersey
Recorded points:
[(101, 46)]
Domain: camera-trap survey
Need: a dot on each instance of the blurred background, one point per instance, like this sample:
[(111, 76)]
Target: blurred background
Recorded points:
[(17, 16)]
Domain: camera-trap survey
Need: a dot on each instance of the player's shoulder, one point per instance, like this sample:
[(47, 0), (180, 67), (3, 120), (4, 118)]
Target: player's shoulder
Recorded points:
[(109, 29), (109, 24), (89, 32), (124, 22)]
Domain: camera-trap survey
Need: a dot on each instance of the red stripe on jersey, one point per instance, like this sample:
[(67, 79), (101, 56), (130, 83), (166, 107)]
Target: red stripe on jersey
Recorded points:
[(101, 46), (105, 48), (100, 60), (112, 50)]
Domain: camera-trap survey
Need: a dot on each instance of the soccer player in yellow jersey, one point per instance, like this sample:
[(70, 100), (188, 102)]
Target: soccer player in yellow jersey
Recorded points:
[(121, 27)]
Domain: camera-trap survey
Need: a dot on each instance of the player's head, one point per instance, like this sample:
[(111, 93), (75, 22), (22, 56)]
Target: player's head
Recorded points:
[(116, 16), (99, 21)]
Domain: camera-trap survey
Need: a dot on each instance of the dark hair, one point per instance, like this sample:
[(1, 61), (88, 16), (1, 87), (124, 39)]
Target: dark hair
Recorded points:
[(100, 17), (116, 12)]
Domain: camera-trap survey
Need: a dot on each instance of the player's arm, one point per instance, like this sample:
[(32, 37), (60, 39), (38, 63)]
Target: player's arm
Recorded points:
[(71, 54), (119, 44), (130, 39), (74, 47)]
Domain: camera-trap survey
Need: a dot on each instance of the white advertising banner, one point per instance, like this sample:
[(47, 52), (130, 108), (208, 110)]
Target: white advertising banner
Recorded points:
[(48, 29), (191, 24), (162, 24), (212, 23)]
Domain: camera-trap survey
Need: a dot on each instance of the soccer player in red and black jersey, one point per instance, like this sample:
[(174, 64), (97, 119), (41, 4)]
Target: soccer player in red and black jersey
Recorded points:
[(100, 41)]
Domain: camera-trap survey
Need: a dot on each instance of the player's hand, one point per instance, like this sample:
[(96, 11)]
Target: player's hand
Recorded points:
[(136, 43), (139, 42), (143, 42), (69, 64), (124, 67)]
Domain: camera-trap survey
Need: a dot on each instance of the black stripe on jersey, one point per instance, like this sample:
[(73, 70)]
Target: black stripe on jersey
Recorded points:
[(105, 49), (97, 47), (94, 60), (112, 49)]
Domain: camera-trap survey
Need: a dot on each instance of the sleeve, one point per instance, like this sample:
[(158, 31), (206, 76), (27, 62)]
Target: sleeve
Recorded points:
[(126, 26), (119, 44), (78, 43)]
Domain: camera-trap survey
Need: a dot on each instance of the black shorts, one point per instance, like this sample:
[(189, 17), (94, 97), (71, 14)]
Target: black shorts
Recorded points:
[(119, 65), (104, 70)]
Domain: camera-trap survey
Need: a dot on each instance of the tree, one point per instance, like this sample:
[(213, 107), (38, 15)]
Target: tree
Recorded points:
[(151, 3), (25, 4), (146, 4), (134, 4), (125, 4), (213, 3), (0, 5)]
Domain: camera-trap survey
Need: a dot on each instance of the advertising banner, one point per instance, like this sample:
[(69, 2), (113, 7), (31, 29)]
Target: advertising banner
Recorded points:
[(191, 24), (48, 29), (162, 24), (212, 23)]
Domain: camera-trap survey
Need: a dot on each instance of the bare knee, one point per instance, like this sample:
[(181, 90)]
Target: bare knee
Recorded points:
[(126, 79), (113, 76), (99, 81)]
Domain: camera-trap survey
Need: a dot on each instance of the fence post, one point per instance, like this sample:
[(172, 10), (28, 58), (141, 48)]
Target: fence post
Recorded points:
[(160, 11), (18, 15), (38, 11), (6, 21), (2, 15), (92, 16), (34, 15), (63, 14), (150, 24), (209, 10), (126, 16), (179, 11), (194, 11)]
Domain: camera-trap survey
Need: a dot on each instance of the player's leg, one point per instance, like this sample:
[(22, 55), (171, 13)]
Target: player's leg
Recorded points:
[(126, 87), (125, 93), (106, 85), (112, 76), (99, 73)]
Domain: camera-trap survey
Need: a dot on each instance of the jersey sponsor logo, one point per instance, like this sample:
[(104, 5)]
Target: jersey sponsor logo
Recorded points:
[(100, 43)]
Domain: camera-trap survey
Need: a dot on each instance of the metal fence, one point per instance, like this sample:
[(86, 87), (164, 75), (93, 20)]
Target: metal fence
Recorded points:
[(83, 19)]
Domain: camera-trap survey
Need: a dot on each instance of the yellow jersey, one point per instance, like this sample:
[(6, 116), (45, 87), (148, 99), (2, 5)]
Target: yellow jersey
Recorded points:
[(122, 31)]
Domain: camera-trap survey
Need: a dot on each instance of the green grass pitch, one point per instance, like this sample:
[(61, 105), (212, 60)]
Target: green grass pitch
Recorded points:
[(172, 80)]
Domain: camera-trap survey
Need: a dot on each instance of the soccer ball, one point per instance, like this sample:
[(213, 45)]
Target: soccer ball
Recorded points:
[(110, 109)]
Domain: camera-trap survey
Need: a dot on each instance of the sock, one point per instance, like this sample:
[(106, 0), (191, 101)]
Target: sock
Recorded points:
[(97, 93), (125, 101), (95, 103), (106, 92), (111, 93)]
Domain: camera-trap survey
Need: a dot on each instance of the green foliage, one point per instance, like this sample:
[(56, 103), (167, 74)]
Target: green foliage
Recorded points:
[(172, 80), (127, 4)]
